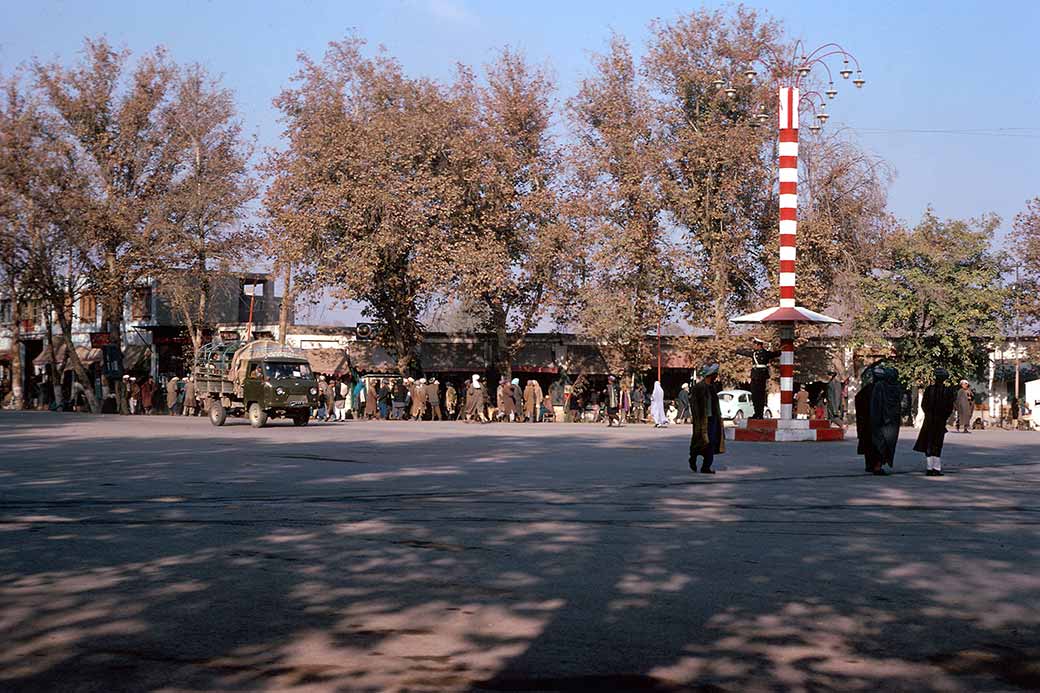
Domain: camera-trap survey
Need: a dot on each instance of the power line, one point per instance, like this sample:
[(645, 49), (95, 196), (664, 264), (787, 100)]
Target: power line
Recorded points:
[(1022, 133)]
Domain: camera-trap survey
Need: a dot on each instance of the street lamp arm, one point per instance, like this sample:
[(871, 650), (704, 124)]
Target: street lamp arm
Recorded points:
[(808, 98), (838, 50)]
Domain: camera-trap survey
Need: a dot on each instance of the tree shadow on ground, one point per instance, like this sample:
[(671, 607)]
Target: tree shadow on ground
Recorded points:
[(505, 560)]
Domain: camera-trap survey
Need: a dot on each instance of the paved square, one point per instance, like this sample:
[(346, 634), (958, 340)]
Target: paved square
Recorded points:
[(164, 554)]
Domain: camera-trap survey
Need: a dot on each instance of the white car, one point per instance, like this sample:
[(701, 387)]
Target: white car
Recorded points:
[(736, 405)]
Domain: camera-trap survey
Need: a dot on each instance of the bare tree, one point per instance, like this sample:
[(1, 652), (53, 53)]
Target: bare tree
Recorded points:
[(506, 238), (114, 121), (366, 184), (198, 225), (628, 264)]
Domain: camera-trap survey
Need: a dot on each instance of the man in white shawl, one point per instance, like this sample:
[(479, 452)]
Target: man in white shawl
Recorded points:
[(657, 406), (474, 400)]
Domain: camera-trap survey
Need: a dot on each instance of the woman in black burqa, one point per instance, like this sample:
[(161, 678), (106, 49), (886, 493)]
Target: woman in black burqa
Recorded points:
[(885, 415)]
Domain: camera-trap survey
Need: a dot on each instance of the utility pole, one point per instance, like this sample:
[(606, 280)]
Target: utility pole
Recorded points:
[(659, 350), (1018, 358)]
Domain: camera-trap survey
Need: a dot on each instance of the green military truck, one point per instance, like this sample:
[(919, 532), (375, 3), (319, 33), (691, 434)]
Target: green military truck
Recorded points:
[(260, 380)]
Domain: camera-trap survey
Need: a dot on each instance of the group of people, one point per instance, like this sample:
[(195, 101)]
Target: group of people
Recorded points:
[(340, 398), (878, 417), (417, 399), (145, 396)]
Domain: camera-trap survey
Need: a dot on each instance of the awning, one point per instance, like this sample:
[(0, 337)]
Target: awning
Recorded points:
[(585, 358), (463, 356), (44, 357), (86, 355), (536, 358), (328, 360), (135, 356), (369, 357)]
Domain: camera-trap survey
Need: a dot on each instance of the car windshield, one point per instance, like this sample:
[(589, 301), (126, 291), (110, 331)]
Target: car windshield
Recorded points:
[(281, 371), (726, 396)]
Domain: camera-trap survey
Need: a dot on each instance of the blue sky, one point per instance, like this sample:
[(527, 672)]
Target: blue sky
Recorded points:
[(963, 66)]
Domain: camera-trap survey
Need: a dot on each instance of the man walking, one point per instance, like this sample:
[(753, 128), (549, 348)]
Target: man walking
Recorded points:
[(191, 403), (965, 407), (171, 396), (613, 402), (474, 400), (937, 405), (451, 400), (433, 397), (339, 399), (531, 402), (706, 440), (419, 400), (683, 402), (834, 399)]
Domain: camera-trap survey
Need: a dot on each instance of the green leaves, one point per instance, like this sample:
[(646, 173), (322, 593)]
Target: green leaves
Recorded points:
[(936, 292)]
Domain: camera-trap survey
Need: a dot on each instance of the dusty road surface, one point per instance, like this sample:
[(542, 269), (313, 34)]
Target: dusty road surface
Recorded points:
[(162, 554)]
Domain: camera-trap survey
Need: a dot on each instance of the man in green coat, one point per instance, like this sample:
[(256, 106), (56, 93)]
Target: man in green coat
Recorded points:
[(707, 439)]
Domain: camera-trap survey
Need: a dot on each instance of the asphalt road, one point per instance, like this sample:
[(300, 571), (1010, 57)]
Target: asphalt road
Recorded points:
[(163, 554)]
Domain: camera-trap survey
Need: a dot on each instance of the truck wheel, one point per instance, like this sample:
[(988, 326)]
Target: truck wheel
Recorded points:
[(301, 418), (257, 416), (217, 413)]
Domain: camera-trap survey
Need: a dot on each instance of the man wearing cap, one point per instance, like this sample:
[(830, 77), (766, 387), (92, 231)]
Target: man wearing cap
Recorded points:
[(474, 400), (760, 358), (433, 397), (834, 398), (682, 401), (706, 440), (965, 407), (419, 399), (937, 405)]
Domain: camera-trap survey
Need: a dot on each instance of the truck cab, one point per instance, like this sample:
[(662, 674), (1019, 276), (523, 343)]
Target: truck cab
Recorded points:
[(280, 387)]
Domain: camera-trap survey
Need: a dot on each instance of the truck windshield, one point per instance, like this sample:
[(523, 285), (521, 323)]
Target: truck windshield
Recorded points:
[(281, 371)]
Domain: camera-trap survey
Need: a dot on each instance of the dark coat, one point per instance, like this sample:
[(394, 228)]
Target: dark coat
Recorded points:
[(937, 404), (474, 400), (885, 411), (864, 429), (704, 403)]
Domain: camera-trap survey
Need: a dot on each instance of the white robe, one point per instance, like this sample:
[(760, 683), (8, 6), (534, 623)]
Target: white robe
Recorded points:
[(657, 406)]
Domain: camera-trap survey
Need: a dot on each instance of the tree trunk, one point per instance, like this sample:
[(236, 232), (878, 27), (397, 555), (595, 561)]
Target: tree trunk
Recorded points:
[(503, 354), (721, 286), (17, 355), (57, 373), (114, 300), (77, 366), (286, 305)]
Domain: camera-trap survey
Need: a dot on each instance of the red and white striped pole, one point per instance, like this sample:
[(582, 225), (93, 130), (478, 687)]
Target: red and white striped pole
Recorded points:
[(788, 236)]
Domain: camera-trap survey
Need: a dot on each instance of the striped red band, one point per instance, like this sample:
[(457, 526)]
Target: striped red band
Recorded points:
[(788, 214), (786, 397), (787, 371), (787, 265), (788, 188), (788, 135), (786, 292), (787, 240), (789, 162)]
